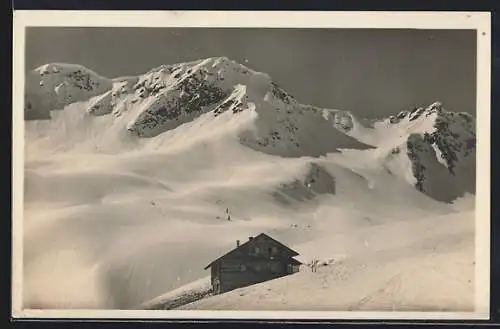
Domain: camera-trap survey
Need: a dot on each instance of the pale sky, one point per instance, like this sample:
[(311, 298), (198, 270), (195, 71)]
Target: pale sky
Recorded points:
[(372, 73)]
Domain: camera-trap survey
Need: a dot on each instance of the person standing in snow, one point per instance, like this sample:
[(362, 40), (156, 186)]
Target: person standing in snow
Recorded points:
[(314, 265), (228, 215)]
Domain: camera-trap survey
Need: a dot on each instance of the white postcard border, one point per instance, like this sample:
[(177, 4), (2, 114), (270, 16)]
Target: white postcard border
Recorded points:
[(479, 21)]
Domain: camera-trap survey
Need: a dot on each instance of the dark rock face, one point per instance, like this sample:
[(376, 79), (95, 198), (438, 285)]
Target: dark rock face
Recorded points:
[(454, 143), (102, 106), (226, 105), (416, 114), (82, 80), (195, 96), (316, 182), (280, 94), (343, 121), (397, 118), (416, 146), (236, 105)]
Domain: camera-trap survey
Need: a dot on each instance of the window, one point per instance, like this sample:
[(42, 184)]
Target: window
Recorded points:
[(233, 268), (272, 251), (254, 250)]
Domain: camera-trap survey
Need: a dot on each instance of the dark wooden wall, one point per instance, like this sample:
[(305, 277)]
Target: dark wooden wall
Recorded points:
[(234, 273), (246, 265)]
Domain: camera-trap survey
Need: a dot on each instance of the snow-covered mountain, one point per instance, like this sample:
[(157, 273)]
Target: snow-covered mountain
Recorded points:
[(122, 171), (437, 145), (432, 148), (53, 86)]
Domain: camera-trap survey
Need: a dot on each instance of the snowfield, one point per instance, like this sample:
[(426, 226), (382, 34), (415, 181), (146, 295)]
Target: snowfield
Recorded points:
[(126, 192), (430, 268)]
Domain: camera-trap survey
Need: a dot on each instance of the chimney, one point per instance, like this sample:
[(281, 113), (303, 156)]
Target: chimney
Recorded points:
[(237, 243), (250, 238)]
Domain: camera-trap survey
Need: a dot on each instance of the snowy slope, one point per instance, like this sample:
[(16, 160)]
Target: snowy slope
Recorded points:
[(430, 269), (118, 180), (186, 294), (175, 197)]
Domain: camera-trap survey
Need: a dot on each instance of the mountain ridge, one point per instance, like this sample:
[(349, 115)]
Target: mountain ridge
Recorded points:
[(169, 96)]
